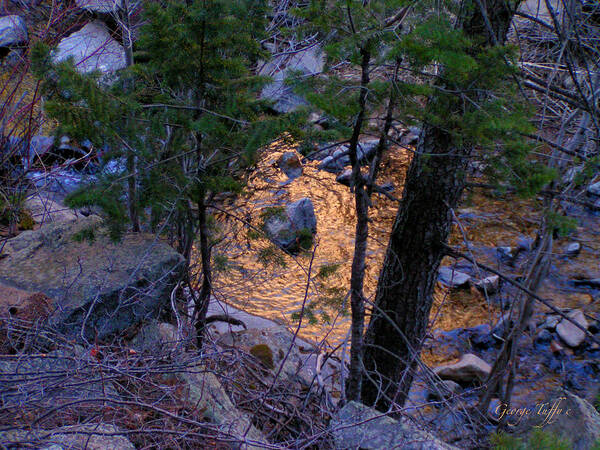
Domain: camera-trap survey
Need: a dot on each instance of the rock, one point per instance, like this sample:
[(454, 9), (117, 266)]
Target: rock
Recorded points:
[(91, 436), (568, 332), (481, 337), (99, 6), (13, 31), (71, 379), (335, 163), (357, 426), (308, 62), (92, 48), (344, 177), (24, 307), (580, 425), (525, 244), (156, 337), (278, 341), (489, 285), (573, 249), (302, 215), (555, 347), (287, 229), (505, 252), (543, 337), (40, 146), (502, 326), (594, 189), (551, 321), (98, 285), (43, 210), (290, 164), (468, 369), (447, 389), (453, 278), (204, 393)]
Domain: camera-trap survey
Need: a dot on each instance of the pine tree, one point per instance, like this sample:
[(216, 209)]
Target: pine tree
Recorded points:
[(191, 118)]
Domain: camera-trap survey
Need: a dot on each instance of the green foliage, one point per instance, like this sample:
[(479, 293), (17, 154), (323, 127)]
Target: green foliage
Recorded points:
[(537, 440), (304, 239), (271, 255), (562, 225), (85, 234), (327, 270)]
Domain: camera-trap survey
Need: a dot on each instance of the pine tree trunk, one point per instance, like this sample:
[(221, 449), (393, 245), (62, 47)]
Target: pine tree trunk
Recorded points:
[(201, 307), (433, 187), (357, 275)]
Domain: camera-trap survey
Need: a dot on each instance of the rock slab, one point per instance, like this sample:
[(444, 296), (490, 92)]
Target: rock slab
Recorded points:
[(99, 287), (13, 31), (357, 426), (92, 48)]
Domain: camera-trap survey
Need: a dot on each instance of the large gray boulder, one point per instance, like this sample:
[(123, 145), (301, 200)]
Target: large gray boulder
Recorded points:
[(99, 6), (203, 392), (309, 62), (594, 189), (90, 436), (357, 426), (270, 346), (49, 380), (566, 415), (92, 48), (99, 287), (287, 228), (13, 31)]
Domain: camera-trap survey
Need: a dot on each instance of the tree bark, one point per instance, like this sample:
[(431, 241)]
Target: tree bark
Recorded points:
[(201, 307), (357, 275), (434, 184)]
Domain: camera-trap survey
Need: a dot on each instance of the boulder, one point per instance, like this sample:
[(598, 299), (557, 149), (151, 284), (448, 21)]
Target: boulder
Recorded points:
[(287, 228), (505, 252), (28, 310), (568, 332), (308, 62), (453, 278), (290, 164), (99, 6), (468, 369), (44, 210), (358, 426), (594, 189), (572, 419), (90, 436), (13, 31), (489, 285), (338, 157), (156, 337), (204, 393), (52, 379), (270, 345), (99, 287), (92, 48)]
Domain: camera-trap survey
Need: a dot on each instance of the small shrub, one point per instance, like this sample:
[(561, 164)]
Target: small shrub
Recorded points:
[(85, 234), (537, 440)]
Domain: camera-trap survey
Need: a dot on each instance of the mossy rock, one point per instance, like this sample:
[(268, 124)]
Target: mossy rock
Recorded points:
[(264, 354)]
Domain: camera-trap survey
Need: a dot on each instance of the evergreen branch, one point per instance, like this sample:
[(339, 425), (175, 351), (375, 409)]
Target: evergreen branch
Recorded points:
[(194, 108)]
